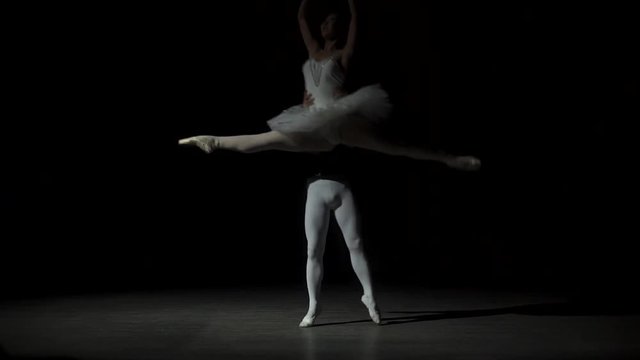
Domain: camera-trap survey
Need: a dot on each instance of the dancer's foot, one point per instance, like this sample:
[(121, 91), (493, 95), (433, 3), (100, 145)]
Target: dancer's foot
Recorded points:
[(370, 303), (206, 143), (310, 318), (465, 163)]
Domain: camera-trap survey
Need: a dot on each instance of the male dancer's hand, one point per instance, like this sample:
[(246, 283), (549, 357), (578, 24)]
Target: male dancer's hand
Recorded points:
[(307, 100)]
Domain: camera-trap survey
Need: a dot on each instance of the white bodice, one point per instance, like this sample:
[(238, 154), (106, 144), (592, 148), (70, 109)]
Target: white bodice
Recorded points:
[(323, 80)]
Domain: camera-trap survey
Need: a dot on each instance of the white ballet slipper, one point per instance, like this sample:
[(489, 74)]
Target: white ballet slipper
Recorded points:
[(374, 312), (309, 319), (206, 143)]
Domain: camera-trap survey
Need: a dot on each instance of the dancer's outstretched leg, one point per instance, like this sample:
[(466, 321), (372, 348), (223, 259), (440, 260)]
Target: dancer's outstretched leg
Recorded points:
[(364, 136), (347, 218), (316, 224), (272, 140)]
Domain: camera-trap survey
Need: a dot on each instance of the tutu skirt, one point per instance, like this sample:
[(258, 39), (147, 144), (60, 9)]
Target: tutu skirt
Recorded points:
[(369, 103)]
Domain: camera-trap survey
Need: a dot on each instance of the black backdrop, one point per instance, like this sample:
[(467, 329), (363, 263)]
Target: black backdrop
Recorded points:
[(97, 196)]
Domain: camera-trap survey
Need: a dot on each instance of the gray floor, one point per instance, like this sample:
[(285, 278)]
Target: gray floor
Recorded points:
[(262, 324)]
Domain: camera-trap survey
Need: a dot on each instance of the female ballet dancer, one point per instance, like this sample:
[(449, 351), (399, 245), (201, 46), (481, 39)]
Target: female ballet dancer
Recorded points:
[(335, 117)]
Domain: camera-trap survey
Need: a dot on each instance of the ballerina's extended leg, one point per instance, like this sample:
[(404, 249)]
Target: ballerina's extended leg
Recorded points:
[(272, 140), (364, 136), (361, 136)]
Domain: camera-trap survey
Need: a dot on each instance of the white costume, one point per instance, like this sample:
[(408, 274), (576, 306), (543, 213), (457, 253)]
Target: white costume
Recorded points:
[(325, 120), (324, 81), (326, 193), (329, 192)]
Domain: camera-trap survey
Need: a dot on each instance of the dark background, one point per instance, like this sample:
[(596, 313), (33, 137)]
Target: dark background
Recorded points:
[(96, 195)]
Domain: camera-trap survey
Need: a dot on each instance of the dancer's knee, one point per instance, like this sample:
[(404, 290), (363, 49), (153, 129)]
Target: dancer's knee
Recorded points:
[(354, 244), (314, 253)]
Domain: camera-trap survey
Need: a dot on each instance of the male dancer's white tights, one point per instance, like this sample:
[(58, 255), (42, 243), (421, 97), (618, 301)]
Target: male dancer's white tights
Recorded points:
[(323, 197)]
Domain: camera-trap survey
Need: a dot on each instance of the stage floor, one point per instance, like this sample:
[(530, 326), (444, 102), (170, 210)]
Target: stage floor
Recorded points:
[(262, 323)]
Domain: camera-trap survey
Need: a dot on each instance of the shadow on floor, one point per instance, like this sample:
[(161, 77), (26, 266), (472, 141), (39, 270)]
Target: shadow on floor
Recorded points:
[(543, 309)]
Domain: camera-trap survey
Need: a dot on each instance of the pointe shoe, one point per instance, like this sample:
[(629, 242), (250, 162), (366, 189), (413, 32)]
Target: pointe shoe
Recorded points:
[(464, 163), (206, 143), (309, 319), (374, 312)]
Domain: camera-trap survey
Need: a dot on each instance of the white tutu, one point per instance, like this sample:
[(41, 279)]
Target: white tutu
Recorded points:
[(369, 103), (323, 79)]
